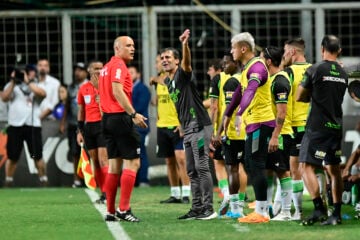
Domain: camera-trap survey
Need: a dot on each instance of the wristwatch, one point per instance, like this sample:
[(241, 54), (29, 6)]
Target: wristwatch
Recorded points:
[(133, 114)]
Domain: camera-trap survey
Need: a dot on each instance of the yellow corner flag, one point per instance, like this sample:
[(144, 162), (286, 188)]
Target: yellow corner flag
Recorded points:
[(86, 170)]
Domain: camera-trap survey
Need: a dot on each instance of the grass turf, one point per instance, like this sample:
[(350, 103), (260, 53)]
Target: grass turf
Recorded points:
[(64, 213)]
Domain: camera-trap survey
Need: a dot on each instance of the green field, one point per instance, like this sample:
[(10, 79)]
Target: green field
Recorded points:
[(65, 213)]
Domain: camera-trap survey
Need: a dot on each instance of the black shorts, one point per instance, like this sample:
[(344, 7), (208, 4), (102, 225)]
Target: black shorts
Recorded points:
[(280, 160), (234, 151), (16, 137), (319, 147), (93, 135), (296, 141), (218, 154), (72, 138), (122, 139), (168, 141), (256, 148)]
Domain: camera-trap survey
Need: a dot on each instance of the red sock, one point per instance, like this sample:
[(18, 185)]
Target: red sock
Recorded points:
[(127, 182), (104, 172), (99, 178), (111, 184)]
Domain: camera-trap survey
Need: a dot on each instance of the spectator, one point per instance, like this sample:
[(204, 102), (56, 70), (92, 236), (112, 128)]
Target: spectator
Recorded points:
[(141, 98)]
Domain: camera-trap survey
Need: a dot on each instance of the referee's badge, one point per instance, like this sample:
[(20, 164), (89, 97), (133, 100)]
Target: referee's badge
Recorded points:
[(87, 99)]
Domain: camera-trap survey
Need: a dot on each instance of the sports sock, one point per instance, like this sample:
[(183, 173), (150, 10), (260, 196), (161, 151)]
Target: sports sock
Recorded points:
[(104, 172), (175, 192), (127, 185), (286, 194), (43, 178), (224, 187), (297, 194), (111, 184), (185, 190), (234, 203), (337, 209), (270, 189), (99, 178), (261, 207), (318, 204), (9, 179), (242, 196), (278, 191)]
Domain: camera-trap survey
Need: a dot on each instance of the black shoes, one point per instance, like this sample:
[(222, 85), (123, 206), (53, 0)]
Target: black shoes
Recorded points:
[(101, 200), (316, 216), (207, 214), (186, 200), (190, 215), (122, 216), (110, 217), (332, 220), (127, 216), (171, 200)]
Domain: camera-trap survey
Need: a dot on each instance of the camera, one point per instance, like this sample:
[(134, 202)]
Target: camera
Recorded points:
[(19, 72)]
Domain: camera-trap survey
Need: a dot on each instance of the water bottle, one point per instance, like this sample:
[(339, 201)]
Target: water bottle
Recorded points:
[(354, 194)]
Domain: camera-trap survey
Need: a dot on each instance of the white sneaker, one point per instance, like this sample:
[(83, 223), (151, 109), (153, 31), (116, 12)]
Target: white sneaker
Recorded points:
[(357, 207), (296, 216), (282, 216), (276, 208)]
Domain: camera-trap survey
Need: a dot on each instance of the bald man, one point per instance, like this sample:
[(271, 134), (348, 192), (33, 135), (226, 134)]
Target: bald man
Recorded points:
[(118, 125)]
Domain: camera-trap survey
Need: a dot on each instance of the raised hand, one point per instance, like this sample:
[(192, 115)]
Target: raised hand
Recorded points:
[(185, 36)]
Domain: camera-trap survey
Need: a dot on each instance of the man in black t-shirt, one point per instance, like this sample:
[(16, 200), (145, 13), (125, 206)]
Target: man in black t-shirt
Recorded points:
[(324, 84), (196, 126)]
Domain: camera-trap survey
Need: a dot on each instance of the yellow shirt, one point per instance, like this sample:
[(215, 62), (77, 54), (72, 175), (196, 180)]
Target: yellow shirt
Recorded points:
[(167, 115), (260, 109), (286, 129), (231, 132), (300, 109), (221, 100)]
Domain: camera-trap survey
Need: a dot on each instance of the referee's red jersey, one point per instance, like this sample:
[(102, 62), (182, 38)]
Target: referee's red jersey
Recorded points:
[(114, 71), (88, 97)]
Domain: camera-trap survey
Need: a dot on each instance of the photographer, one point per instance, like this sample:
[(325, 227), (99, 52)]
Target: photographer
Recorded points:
[(24, 95)]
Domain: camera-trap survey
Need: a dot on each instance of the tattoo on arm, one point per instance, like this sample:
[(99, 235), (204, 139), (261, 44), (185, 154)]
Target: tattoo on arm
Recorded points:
[(280, 121)]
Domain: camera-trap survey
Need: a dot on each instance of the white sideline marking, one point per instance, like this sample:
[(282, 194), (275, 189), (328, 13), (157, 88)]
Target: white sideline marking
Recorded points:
[(240, 228), (115, 228)]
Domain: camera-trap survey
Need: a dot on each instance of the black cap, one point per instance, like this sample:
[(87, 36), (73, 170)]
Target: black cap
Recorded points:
[(80, 65)]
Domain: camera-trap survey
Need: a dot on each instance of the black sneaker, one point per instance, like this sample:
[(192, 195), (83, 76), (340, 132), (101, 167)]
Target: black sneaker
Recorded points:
[(186, 200), (126, 216), (110, 217), (9, 184), (192, 214), (171, 200), (101, 200), (316, 216), (332, 220), (207, 214)]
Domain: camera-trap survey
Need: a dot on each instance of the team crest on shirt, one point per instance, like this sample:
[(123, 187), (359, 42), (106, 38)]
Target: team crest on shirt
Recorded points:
[(229, 94), (118, 73), (281, 96), (254, 75), (87, 99)]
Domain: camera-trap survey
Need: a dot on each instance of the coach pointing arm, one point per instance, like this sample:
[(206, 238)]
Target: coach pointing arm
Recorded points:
[(186, 60)]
